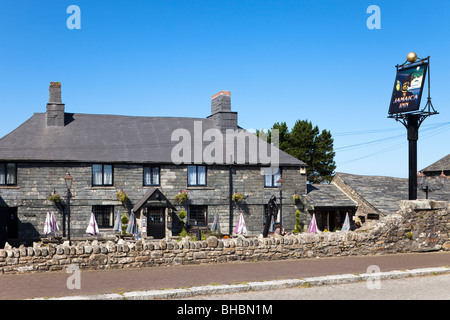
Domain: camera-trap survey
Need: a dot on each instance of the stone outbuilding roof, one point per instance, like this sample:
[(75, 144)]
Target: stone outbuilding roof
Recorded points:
[(438, 166), (328, 196), (383, 194)]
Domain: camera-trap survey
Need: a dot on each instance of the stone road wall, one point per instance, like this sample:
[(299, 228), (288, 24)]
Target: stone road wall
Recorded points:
[(418, 226)]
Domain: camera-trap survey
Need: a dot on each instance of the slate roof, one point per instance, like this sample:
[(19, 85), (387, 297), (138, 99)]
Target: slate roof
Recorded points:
[(322, 196), (384, 193), (105, 138), (438, 166)]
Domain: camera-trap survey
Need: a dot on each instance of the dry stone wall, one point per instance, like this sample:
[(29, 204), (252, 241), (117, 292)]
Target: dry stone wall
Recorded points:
[(418, 226)]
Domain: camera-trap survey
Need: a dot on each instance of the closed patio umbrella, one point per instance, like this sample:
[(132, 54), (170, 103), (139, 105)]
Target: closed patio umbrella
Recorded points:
[(240, 227), (272, 225), (313, 225), (53, 224), (346, 225), (47, 226), (132, 227), (216, 225), (92, 228), (117, 223)]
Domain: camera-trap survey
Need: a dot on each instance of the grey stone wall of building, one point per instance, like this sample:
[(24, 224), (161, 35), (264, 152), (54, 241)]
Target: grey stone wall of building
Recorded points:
[(419, 226), (36, 181)]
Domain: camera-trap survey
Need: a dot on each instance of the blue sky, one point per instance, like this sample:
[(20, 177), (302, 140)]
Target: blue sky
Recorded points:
[(282, 61)]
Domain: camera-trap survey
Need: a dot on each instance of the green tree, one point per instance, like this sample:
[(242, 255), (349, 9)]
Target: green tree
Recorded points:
[(283, 135), (305, 142)]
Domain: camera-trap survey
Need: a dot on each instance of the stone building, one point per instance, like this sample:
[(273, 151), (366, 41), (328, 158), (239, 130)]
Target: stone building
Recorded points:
[(330, 205), (151, 159), (379, 196), (370, 198)]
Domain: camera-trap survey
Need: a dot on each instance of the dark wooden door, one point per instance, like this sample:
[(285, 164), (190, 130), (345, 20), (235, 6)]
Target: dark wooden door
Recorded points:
[(12, 223), (156, 222)]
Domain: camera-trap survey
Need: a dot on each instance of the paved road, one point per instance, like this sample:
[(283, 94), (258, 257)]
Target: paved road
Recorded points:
[(433, 287), (23, 286)]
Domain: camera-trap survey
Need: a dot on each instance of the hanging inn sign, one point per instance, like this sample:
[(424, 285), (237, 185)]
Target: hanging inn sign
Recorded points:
[(408, 88), (405, 107)]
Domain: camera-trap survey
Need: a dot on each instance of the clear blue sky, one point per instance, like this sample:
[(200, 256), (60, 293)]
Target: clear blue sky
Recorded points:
[(282, 61)]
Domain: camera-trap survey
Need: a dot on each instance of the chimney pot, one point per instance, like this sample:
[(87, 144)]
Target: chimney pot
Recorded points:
[(220, 102), (221, 112), (227, 93), (55, 92), (55, 108)]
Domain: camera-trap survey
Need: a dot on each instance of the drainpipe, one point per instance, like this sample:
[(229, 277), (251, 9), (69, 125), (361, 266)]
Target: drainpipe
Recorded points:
[(231, 201)]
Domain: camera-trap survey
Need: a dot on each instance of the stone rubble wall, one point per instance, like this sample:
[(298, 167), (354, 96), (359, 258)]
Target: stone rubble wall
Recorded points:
[(419, 226)]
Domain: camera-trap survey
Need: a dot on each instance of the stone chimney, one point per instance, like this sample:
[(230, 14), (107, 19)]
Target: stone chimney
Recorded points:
[(55, 108), (221, 112)]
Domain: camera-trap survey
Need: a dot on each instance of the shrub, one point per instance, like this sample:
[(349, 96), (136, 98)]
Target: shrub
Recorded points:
[(298, 224)]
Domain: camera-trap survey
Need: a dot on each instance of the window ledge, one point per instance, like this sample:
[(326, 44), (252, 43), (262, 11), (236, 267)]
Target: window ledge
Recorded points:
[(200, 188), (9, 187), (101, 188)]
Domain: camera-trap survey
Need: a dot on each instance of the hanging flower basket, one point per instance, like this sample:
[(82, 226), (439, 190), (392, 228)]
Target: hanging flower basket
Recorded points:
[(296, 198), (121, 196), (238, 197), (54, 197), (181, 196)]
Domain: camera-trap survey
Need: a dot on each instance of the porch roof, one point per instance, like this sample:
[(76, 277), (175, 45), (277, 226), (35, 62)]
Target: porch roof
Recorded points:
[(153, 194)]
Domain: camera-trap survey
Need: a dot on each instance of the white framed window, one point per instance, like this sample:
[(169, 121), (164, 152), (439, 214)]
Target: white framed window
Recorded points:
[(196, 176)]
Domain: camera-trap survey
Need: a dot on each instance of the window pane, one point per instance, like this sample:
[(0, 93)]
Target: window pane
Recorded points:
[(198, 215), (151, 176), (155, 176), (103, 216), (192, 175), (276, 177), (107, 175), (268, 180), (147, 176), (97, 174), (11, 173), (2, 173), (201, 172)]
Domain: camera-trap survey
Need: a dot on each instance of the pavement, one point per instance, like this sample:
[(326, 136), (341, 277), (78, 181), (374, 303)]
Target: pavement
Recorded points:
[(178, 282)]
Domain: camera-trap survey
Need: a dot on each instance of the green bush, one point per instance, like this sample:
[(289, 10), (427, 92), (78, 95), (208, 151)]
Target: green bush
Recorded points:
[(182, 214), (298, 224)]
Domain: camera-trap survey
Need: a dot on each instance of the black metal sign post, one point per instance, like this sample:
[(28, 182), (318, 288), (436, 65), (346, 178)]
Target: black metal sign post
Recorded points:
[(404, 108)]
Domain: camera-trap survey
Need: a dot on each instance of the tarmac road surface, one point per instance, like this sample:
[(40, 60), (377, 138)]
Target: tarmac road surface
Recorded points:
[(432, 287), (54, 284)]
